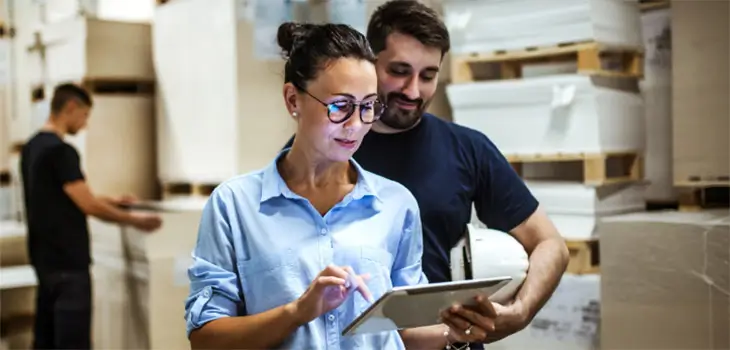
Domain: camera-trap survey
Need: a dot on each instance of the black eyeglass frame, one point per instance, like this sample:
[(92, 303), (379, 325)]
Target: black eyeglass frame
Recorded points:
[(357, 106)]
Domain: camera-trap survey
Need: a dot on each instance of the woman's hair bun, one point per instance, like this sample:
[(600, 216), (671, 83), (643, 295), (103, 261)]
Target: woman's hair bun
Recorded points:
[(290, 34)]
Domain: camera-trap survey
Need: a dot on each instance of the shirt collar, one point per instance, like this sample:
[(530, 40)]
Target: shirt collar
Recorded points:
[(273, 184)]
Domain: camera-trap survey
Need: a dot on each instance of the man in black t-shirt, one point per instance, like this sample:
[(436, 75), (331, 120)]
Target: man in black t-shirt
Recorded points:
[(57, 201), (450, 168)]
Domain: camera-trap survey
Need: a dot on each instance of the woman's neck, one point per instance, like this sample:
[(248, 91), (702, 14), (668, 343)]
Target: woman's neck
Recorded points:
[(304, 170)]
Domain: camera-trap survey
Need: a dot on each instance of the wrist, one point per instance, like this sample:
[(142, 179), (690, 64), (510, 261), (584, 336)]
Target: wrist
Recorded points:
[(294, 312)]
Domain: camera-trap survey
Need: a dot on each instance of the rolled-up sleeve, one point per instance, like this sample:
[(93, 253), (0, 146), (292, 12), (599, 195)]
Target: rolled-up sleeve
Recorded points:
[(407, 267), (214, 288)]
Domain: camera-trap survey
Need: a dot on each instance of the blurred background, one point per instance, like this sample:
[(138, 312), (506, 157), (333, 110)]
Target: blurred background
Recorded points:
[(615, 112)]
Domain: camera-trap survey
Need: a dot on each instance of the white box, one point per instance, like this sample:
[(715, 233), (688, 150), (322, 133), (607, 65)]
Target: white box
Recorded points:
[(119, 10), (569, 321), (81, 48), (656, 89), (220, 110), (555, 114), (576, 209), (485, 26), (141, 280)]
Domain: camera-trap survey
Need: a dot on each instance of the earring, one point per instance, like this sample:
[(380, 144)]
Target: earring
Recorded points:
[(294, 114)]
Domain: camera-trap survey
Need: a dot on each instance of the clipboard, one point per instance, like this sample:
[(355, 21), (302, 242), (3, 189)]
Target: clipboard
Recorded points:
[(419, 306)]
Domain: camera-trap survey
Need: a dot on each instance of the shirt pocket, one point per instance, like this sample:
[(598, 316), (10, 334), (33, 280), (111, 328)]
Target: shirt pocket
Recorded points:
[(377, 262), (271, 280)]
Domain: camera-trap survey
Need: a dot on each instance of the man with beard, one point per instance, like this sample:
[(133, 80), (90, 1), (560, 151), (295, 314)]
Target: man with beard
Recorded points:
[(448, 168)]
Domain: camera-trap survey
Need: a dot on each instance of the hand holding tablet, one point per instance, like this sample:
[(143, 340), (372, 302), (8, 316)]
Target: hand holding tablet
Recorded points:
[(419, 306)]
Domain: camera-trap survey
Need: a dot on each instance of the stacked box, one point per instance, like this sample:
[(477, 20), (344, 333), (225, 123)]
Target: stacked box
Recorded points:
[(140, 280), (555, 85)]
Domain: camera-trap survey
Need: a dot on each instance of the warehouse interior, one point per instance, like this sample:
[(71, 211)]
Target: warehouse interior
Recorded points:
[(615, 113)]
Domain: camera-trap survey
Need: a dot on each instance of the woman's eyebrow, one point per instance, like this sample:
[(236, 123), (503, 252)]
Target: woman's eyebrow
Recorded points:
[(344, 94)]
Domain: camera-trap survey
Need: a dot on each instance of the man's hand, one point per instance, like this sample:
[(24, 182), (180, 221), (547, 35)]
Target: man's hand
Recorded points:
[(146, 222), (484, 323)]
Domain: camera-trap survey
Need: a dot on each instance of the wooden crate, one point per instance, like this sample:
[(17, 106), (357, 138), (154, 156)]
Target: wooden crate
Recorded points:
[(584, 256), (598, 169), (695, 196), (591, 58), (181, 189)]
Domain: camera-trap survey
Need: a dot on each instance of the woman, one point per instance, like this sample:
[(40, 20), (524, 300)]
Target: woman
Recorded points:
[(281, 251)]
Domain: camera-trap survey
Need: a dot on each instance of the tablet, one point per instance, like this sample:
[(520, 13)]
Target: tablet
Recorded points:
[(418, 306)]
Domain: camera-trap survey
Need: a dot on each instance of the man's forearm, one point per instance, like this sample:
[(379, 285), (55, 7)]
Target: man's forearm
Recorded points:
[(548, 262), (426, 338)]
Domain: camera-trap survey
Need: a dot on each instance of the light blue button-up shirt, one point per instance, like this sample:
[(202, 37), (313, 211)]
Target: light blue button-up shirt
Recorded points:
[(260, 246)]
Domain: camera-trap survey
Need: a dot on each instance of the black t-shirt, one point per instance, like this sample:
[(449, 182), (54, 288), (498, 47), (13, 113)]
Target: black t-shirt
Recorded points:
[(58, 236), (448, 168)]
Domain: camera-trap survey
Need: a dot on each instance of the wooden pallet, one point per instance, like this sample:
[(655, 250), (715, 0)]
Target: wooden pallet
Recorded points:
[(187, 189), (696, 193), (584, 256), (598, 169), (6, 31), (654, 5), (591, 58), (5, 178), (118, 86)]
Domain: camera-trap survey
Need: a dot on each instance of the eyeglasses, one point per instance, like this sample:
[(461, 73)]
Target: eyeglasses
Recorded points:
[(340, 111)]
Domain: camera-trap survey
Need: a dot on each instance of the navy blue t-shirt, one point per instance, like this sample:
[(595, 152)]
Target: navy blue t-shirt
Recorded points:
[(448, 167)]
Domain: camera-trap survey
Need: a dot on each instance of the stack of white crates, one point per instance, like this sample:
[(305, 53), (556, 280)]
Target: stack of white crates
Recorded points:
[(554, 84)]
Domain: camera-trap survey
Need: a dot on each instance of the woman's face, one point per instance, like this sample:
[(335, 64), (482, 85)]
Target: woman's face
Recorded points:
[(341, 81)]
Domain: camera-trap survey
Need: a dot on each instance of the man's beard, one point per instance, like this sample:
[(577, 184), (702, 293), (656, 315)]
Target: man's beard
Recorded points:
[(401, 119)]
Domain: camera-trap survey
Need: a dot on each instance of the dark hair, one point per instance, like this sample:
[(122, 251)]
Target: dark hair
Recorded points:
[(64, 93), (308, 47), (411, 18)]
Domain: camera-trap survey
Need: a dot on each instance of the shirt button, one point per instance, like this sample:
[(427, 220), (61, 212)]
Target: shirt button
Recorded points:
[(323, 231), (206, 293), (331, 318)]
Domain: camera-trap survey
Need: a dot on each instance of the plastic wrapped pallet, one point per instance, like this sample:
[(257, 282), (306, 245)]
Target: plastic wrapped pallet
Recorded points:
[(656, 266), (140, 280), (700, 90), (220, 109), (576, 209), (554, 114), (485, 26), (84, 48), (656, 89)]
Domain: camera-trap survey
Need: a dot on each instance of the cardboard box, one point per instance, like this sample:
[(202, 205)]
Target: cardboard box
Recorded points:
[(84, 48), (232, 119), (665, 281), (140, 280), (13, 244), (700, 90)]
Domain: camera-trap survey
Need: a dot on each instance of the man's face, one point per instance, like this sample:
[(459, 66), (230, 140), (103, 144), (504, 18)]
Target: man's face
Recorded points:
[(78, 115), (407, 78)]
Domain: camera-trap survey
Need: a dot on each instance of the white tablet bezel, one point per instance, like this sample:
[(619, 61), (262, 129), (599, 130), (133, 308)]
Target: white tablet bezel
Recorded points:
[(428, 299)]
